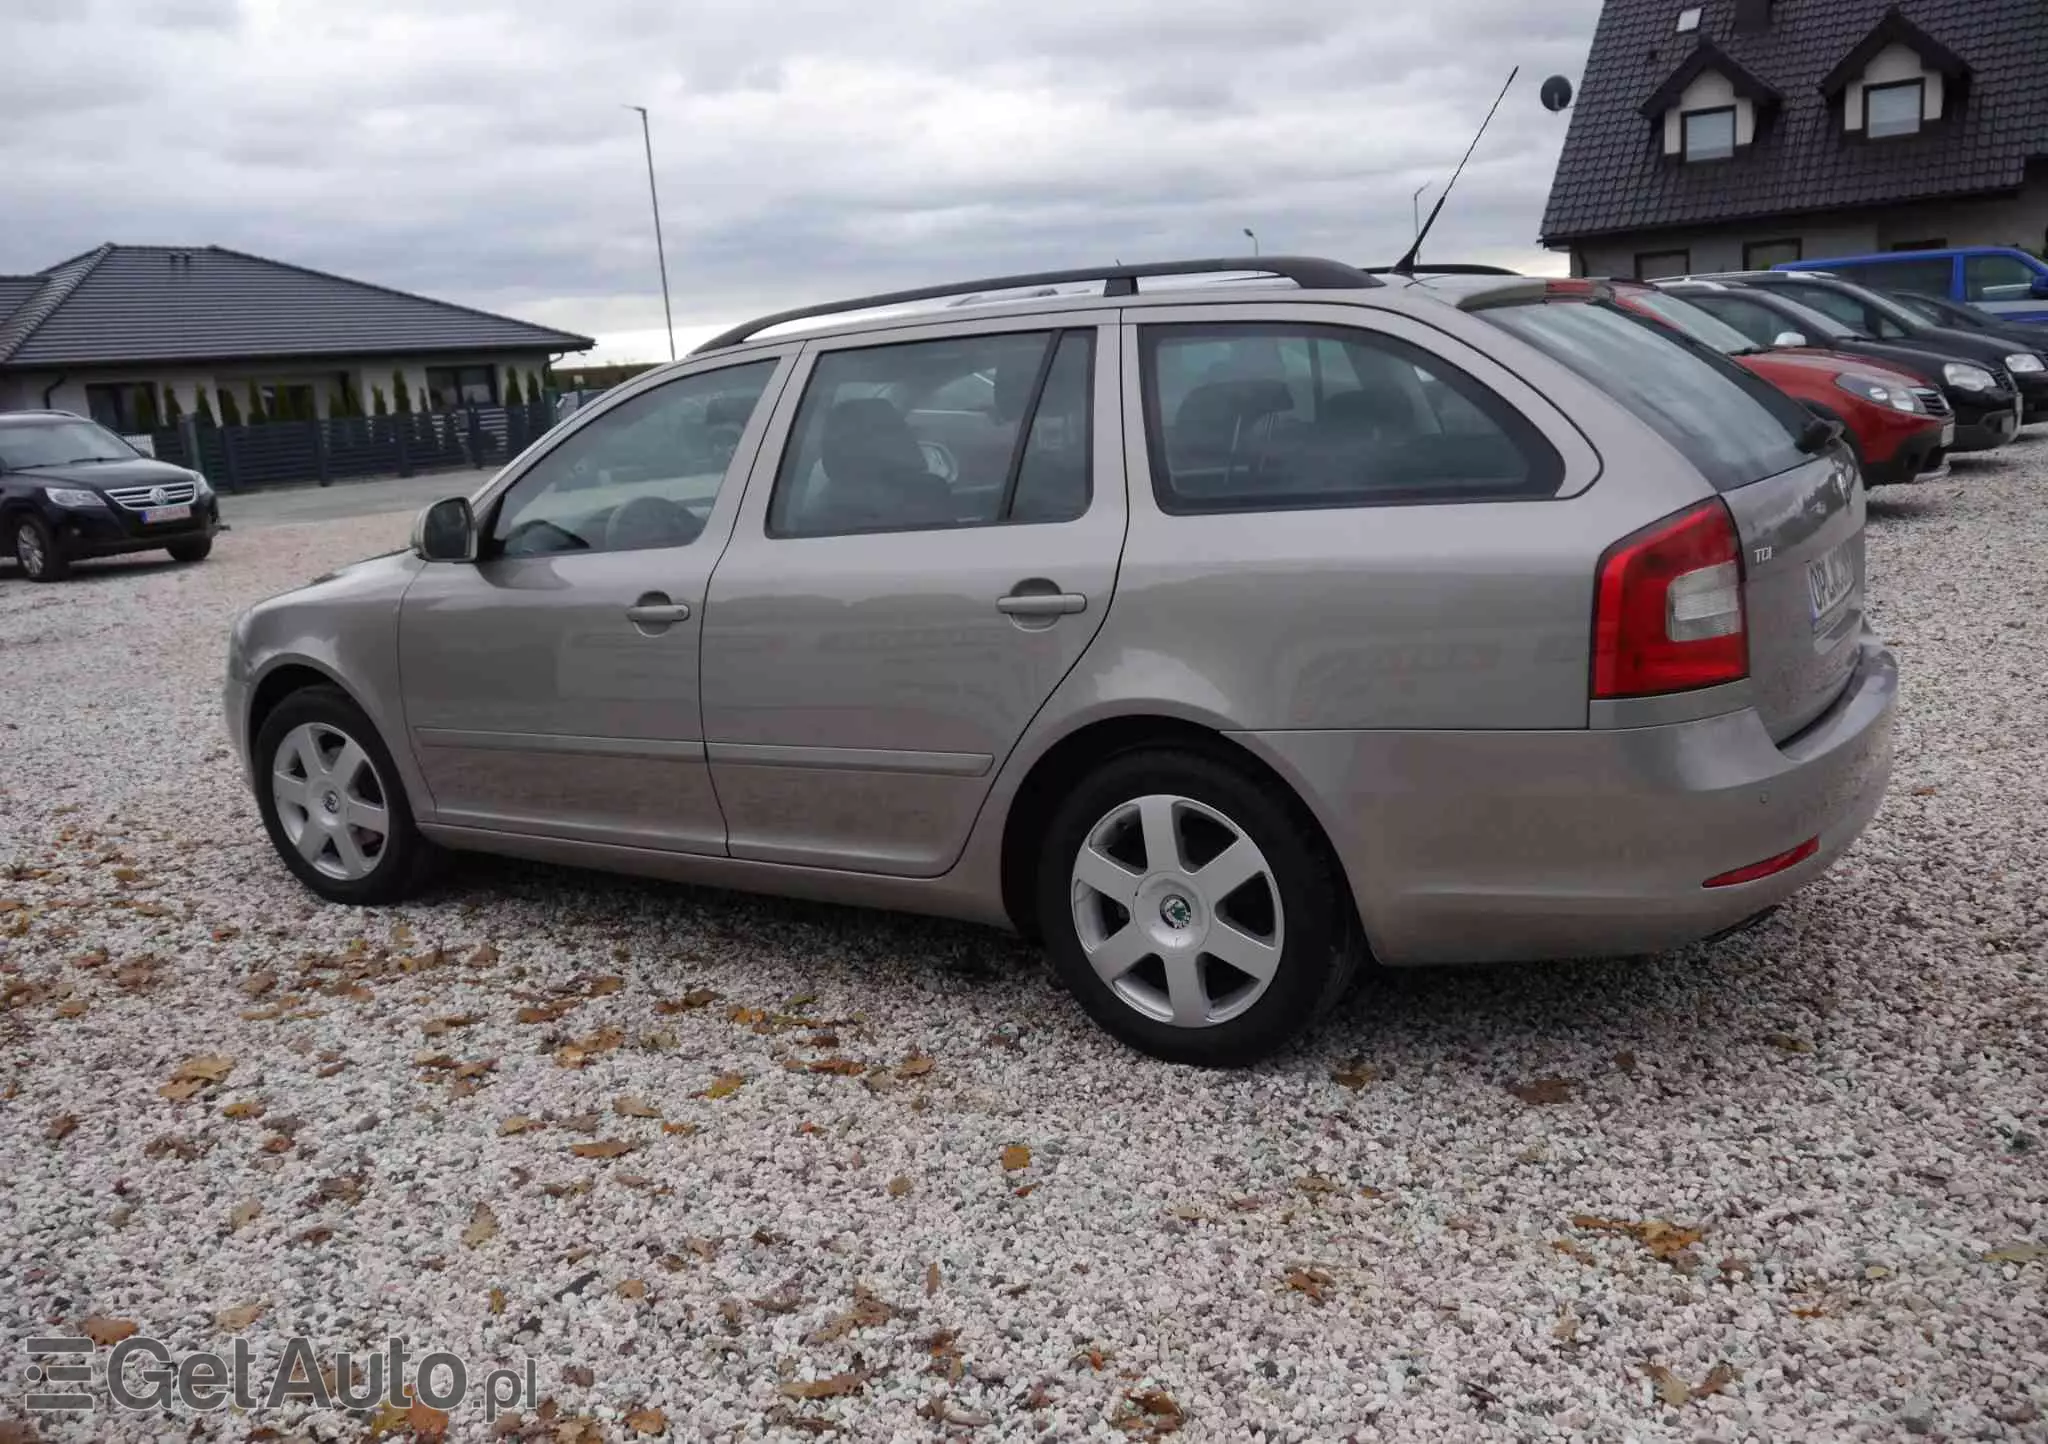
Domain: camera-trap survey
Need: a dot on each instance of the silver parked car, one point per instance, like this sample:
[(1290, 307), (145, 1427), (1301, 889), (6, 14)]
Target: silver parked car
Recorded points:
[(1222, 636)]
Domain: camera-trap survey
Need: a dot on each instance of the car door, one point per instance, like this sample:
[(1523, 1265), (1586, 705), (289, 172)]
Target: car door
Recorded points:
[(551, 686), (878, 635)]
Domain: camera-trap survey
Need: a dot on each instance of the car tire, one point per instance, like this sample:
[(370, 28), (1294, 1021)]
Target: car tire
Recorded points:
[(195, 550), (325, 785), (1215, 969), (35, 548)]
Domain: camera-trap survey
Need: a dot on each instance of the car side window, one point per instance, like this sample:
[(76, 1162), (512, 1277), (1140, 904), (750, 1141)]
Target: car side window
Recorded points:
[(1844, 308), (979, 430), (1757, 323), (642, 475), (1929, 277), (1268, 417), (1997, 278)]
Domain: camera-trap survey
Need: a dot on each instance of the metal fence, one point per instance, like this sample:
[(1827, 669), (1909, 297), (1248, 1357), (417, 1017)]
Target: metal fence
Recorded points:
[(280, 453)]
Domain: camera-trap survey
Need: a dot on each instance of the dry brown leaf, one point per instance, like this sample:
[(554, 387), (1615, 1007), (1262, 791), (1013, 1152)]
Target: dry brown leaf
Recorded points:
[(545, 1012), (724, 1086), (1541, 1092), (609, 983), (2018, 1253), (835, 1387), (1313, 1282), (485, 955), (243, 1214), (1354, 1074), (633, 1289), (1667, 1242), (647, 1421), (428, 1424), (685, 1129), (483, 1227), (899, 1186), (72, 1008), (1670, 1388), (1152, 1410), (628, 1106), (194, 1074), (61, 1127), (435, 1027), (1718, 1378), (104, 1331), (867, 1312), (239, 1317), (915, 1066), (695, 998), (843, 1067), (1786, 1043), (1016, 1156), (1574, 1250), (497, 1300), (581, 1375), (519, 1123), (932, 1279), (257, 984), (603, 1148), (243, 1108)]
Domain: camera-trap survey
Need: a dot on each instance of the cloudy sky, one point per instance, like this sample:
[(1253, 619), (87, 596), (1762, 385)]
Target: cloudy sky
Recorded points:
[(477, 150)]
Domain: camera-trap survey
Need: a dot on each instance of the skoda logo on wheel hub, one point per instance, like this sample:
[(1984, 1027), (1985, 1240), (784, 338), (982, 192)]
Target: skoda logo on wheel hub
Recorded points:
[(332, 801), (1175, 911)]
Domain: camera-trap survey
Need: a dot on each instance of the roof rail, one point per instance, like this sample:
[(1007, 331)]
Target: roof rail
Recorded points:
[(1448, 268), (1311, 273)]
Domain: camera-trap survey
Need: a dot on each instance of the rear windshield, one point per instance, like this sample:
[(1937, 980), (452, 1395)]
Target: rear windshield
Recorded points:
[(1733, 427)]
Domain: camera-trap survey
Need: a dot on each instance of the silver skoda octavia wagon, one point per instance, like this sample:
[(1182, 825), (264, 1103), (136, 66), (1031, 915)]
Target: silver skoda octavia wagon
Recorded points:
[(1221, 634)]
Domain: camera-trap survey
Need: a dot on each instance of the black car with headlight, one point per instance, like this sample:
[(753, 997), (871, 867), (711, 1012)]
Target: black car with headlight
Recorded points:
[(71, 489)]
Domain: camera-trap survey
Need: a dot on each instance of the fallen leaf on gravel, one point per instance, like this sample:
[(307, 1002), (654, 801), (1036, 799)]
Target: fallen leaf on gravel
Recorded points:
[(785, 1300), (724, 1086), (427, 1424), (243, 1214), (239, 1317), (867, 1312), (243, 1108), (483, 1227), (768, 1238), (899, 1186), (1668, 1242), (633, 1289), (1354, 1074), (1152, 1411), (647, 1421), (932, 1279), (2018, 1253), (835, 1387), (257, 984), (915, 1066), (1925, 791), (104, 1331), (609, 983), (196, 1074), (61, 1127), (314, 1237), (1313, 1282), (1541, 1092), (18, 1431), (1718, 1378), (485, 955), (844, 1067), (1786, 1043), (578, 1374), (497, 1300), (1315, 1185), (695, 998), (704, 1248), (1016, 1156), (71, 1008), (545, 1012), (631, 1107), (685, 1129), (519, 1123), (603, 1148), (1574, 1250), (435, 1027), (1670, 1388), (277, 1143)]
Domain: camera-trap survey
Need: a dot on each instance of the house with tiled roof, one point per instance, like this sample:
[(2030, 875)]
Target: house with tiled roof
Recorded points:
[(1717, 135), (137, 336)]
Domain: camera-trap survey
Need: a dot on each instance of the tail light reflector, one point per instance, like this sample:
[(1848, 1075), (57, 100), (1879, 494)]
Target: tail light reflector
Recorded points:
[(1668, 613), (1757, 871)]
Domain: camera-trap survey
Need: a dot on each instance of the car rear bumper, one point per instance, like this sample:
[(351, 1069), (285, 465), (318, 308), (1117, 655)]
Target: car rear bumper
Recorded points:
[(1468, 847)]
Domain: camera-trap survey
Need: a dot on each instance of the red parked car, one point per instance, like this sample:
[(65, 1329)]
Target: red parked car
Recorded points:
[(1899, 428)]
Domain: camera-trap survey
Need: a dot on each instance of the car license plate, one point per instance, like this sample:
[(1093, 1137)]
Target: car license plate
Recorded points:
[(155, 514), (1948, 432), (1829, 580)]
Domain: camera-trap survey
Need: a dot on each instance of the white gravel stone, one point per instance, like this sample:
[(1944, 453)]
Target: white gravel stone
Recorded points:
[(1850, 1103)]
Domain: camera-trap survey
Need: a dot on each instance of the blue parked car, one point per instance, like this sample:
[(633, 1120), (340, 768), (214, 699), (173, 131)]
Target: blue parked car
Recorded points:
[(2006, 283)]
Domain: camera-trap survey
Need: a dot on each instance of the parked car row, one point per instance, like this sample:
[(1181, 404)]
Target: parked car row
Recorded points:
[(1220, 637)]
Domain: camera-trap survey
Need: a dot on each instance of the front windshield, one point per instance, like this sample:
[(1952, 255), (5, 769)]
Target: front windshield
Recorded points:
[(1812, 324), (56, 443), (1684, 316)]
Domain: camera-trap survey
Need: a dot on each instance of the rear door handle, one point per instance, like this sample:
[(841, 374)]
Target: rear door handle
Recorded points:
[(1041, 604), (656, 610)]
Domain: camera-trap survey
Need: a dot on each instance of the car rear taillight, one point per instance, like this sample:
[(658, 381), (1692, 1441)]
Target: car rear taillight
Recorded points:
[(1668, 614)]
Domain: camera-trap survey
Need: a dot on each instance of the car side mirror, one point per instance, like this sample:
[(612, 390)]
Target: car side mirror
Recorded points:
[(2039, 288), (446, 531), (1789, 338)]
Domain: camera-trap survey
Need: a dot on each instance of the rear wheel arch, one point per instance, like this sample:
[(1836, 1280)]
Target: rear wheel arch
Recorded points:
[(1066, 762)]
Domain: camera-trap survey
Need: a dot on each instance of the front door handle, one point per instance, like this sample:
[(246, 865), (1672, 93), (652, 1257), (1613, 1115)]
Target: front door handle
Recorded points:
[(656, 610), (1041, 604)]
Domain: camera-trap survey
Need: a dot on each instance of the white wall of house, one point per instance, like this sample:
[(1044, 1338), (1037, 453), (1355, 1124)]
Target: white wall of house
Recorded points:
[(1710, 90), (1893, 63), (27, 389)]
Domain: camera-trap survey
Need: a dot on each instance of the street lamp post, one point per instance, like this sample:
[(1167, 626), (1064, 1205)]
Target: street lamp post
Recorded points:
[(660, 255), (1254, 238)]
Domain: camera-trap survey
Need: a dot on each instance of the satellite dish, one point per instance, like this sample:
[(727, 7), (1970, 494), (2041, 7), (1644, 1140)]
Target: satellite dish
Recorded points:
[(1557, 94)]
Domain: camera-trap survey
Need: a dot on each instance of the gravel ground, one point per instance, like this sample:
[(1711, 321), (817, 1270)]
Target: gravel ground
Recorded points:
[(876, 1176)]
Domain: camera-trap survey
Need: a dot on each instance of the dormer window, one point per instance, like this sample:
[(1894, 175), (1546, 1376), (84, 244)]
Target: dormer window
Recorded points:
[(1895, 108), (1709, 134)]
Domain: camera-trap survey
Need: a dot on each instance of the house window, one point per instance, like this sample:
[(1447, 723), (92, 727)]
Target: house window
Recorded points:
[(1688, 19), (1893, 109), (1709, 134), (1762, 255), (126, 407), (462, 386), (1656, 265)]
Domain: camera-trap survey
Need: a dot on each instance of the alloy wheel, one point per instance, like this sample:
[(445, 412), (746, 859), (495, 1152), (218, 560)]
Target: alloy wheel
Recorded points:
[(1177, 911), (28, 549), (330, 801)]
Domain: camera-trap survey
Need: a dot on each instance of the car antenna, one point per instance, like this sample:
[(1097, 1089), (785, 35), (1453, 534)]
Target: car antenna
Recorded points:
[(1406, 265)]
